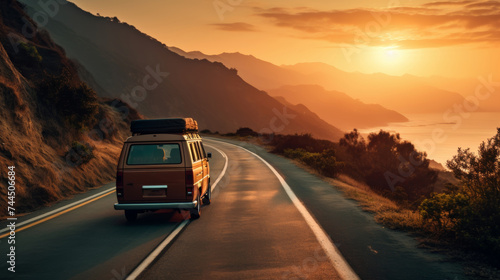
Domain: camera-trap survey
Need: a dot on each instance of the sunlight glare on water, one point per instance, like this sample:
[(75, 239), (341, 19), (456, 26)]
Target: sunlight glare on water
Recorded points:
[(441, 139)]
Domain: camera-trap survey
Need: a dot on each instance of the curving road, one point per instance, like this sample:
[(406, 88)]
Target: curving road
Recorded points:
[(254, 229)]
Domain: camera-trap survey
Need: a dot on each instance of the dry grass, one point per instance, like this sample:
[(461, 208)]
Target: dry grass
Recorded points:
[(43, 176), (386, 211)]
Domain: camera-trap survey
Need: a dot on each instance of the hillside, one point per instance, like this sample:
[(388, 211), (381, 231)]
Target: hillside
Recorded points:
[(338, 108), (406, 94), (51, 124), (159, 83)]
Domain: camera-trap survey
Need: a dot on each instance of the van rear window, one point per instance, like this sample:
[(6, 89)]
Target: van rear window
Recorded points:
[(154, 154)]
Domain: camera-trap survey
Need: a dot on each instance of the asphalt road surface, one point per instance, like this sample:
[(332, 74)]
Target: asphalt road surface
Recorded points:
[(252, 230)]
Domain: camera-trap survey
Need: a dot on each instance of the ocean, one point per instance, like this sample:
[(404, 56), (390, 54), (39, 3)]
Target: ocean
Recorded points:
[(440, 135)]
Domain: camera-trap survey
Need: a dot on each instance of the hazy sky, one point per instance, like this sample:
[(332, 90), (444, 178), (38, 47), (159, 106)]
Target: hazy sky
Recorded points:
[(447, 38)]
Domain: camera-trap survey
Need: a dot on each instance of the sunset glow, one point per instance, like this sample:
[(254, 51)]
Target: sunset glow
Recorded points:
[(439, 35)]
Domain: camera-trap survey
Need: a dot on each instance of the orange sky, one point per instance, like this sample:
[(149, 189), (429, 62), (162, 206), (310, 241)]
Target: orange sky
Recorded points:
[(447, 38)]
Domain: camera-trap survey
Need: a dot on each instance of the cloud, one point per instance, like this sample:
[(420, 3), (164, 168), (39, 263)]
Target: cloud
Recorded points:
[(447, 3), (435, 24), (235, 26)]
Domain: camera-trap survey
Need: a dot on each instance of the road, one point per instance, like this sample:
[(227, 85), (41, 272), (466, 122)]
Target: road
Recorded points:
[(252, 230)]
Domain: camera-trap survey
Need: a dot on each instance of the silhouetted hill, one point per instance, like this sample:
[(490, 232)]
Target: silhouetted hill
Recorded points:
[(338, 108), (124, 61), (262, 74), (407, 94), (486, 87), (46, 114), (302, 110)]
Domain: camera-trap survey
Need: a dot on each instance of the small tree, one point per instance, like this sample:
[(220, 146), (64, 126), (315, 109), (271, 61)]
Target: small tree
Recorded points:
[(474, 206)]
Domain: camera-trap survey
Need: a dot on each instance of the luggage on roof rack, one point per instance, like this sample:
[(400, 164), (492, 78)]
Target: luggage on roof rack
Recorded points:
[(170, 125)]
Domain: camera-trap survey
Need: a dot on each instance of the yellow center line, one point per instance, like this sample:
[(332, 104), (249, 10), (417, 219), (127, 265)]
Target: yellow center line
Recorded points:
[(58, 214)]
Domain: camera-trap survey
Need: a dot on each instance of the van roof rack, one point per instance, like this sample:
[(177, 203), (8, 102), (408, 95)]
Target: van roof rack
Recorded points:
[(167, 126)]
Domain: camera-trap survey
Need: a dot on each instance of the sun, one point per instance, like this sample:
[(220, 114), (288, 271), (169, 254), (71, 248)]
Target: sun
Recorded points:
[(390, 55)]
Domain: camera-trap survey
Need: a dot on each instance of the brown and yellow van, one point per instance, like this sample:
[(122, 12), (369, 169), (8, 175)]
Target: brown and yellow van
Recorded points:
[(163, 166)]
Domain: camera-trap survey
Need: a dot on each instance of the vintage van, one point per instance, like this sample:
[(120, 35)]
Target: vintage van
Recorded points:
[(163, 166)]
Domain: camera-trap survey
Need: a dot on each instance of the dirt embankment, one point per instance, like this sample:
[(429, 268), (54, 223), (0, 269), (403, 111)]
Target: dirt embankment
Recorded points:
[(61, 138)]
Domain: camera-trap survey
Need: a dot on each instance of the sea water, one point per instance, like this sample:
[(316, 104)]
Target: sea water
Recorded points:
[(440, 135)]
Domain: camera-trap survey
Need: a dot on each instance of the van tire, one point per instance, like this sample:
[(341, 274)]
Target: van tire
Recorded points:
[(130, 215), (208, 195), (196, 212)]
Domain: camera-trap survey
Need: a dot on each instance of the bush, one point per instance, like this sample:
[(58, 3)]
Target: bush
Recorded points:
[(470, 212), (31, 51), (389, 165), (76, 104), (246, 131), (325, 162), (302, 141), (80, 153)]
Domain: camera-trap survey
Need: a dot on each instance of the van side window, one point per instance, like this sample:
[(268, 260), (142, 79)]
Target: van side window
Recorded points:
[(197, 144), (203, 150), (193, 152)]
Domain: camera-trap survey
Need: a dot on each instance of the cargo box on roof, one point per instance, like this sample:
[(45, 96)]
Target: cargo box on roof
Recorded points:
[(170, 125)]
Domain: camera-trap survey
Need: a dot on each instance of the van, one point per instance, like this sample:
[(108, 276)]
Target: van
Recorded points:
[(163, 165)]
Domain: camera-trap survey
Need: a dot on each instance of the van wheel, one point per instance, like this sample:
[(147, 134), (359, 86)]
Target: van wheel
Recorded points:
[(196, 212), (208, 196), (131, 215)]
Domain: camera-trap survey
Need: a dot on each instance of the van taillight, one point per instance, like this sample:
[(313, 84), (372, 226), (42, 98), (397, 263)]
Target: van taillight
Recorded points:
[(119, 179), (119, 183), (189, 183)]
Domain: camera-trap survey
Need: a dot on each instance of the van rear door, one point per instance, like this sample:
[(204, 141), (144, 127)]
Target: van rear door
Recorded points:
[(154, 172)]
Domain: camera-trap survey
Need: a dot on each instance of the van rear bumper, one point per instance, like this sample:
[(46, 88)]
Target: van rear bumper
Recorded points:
[(156, 206)]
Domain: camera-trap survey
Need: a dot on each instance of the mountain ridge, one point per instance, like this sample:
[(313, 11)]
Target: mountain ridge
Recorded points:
[(403, 94), (122, 59)]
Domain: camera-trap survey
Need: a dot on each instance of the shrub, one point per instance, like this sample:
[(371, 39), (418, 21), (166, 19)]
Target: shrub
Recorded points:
[(389, 165), (302, 141), (246, 131), (325, 162), (31, 51), (471, 211), (76, 104), (80, 153)]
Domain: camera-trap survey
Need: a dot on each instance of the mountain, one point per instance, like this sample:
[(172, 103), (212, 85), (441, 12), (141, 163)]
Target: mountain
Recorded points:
[(128, 64), (301, 110), (61, 138), (405, 94), (262, 74), (338, 108), (484, 88)]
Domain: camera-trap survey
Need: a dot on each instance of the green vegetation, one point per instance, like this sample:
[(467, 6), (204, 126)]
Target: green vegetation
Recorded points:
[(80, 153), (393, 180), (470, 213), (31, 51), (390, 166), (75, 102), (325, 162)]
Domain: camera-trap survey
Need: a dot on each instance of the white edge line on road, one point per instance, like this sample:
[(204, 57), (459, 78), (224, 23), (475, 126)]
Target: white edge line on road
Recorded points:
[(223, 169), (156, 252), (58, 210), (339, 263)]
